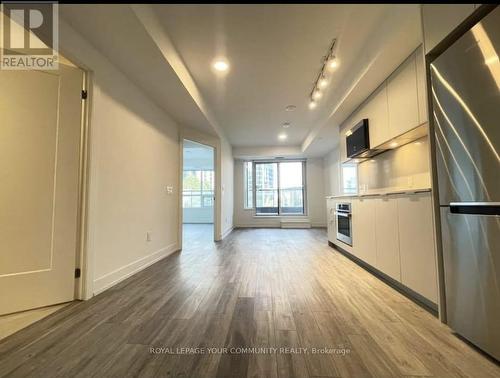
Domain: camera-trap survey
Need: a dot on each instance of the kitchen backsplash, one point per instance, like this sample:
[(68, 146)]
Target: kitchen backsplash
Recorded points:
[(403, 167)]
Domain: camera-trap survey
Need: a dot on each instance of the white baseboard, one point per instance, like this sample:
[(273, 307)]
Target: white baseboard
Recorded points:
[(227, 232), (105, 282), (318, 225), (257, 225)]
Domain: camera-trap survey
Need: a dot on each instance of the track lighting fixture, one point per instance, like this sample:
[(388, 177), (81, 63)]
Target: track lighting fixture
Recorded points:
[(330, 62)]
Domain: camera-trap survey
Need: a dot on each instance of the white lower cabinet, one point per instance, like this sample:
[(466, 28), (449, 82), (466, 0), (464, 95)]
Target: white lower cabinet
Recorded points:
[(416, 245), (387, 235), (363, 230), (394, 234)]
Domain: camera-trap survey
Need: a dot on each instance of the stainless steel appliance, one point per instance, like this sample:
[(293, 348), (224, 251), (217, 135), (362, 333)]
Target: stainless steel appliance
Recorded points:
[(344, 222), (465, 84), (358, 141)]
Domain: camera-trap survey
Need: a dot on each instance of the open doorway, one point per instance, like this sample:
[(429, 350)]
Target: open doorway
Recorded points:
[(198, 193)]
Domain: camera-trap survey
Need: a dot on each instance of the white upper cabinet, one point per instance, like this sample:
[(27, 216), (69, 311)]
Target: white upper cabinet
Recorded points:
[(398, 105), (387, 232), (378, 119), (402, 98), (416, 245)]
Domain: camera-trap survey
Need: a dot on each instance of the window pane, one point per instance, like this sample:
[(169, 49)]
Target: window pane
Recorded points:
[(208, 180), (207, 200), (291, 188), (198, 189), (247, 179), (349, 178), (196, 201), (191, 180), (266, 188)]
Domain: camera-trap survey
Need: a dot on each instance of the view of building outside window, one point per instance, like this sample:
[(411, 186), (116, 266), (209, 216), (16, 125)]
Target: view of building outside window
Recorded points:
[(198, 189), (291, 188), (266, 188), (349, 178), (283, 196)]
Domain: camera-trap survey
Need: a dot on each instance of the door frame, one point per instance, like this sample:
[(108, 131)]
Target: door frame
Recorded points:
[(84, 286), (215, 216), (84, 259)]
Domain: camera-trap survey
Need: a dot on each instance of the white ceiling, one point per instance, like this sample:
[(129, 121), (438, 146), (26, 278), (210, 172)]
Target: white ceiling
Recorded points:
[(275, 53), (116, 33)]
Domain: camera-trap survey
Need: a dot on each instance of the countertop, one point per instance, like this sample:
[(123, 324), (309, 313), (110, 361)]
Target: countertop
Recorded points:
[(382, 192)]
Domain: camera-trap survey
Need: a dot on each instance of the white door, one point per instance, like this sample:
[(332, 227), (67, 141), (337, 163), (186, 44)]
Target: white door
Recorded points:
[(40, 125)]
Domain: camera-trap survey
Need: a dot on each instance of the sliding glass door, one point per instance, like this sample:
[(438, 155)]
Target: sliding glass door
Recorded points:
[(266, 189), (291, 184), (279, 188)]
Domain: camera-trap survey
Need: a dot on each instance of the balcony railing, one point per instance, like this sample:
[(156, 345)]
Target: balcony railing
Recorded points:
[(291, 201), (196, 198)]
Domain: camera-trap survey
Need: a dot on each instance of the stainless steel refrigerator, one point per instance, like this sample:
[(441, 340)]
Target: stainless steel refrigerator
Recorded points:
[(465, 90)]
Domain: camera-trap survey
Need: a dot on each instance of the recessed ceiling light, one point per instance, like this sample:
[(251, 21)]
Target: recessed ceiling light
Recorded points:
[(312, 104), (221, 65), (394, 144), (286, 125), (290, 108), (282, 136), (317, 94)]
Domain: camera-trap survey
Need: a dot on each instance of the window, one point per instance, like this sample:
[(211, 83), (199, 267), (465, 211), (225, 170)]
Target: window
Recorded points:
[(266, 188), (248, 184), (349, 178), (291, 187), (198, 189), (279, 188)]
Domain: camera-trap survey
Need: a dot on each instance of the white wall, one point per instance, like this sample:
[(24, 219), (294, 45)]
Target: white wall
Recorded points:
[(331, 164), (227, 190), (134, 155), (316, 208), (438, 20)]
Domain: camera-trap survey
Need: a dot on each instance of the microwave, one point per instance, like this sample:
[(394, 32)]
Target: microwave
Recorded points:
[(358, 141)]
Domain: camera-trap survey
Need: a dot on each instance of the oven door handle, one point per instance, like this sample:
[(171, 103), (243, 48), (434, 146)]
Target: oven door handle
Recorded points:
[(346, 215)]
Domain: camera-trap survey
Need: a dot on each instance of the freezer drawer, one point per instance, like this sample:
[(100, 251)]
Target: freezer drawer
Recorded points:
[(471, 251)]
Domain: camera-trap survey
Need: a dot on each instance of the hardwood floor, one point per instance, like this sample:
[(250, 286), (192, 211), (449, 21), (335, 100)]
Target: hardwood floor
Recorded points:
[(283, 292), (12, 323)]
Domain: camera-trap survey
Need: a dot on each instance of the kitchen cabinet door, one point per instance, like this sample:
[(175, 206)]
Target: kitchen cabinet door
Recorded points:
[(416, 244), (363, 230), (402, 98), (387, 236), (376, 111)]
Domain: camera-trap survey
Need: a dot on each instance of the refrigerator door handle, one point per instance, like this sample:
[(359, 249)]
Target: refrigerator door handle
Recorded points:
[(475, 208)]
